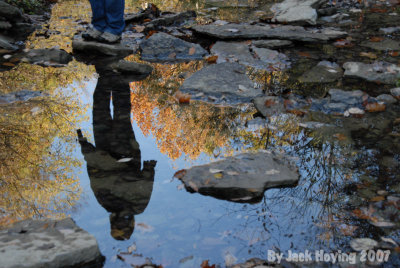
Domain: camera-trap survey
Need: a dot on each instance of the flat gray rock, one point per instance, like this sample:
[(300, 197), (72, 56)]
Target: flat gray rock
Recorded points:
[(261, 58), (323, 72), (296, 11), (384, 45), (121, 50), (231, 4), (223, 82), (272, 43), (48, 243), (379, 72), (162, 47), (285, 32), (48, 57), (242, 178)]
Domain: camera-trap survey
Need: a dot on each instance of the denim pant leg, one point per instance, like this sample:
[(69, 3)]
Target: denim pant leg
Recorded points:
[(115, 16), (99, 14)]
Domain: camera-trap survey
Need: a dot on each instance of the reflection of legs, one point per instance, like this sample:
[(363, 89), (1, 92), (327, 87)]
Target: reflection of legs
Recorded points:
[(99, 14), (115, 16)]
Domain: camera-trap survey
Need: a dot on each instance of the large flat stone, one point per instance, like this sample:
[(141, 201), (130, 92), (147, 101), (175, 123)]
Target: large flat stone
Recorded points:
[(272, 43), (48, 243), (296, 11), (286, 32), (121, 50), (224, 81), (242, 178), (379, 72), (384, 45), (323, 72), (162, 47)]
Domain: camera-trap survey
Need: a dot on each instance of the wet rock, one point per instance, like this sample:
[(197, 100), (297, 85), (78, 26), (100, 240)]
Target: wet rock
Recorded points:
[(296, 11), (48, 243), (227, 4), (354, 111), (5, 25), (47, 57), (323, 72), (269, 105), (387, 44), (390, 30), (285, 32), (9, 12), (379, 72), (395, 92), (5, 43), (263, 58), (329, 11), (272, 43), (164, 47), (23, 95), (121, 50), (386, 98), (223, 82), (242, 178), (360, 244), (129, 67)]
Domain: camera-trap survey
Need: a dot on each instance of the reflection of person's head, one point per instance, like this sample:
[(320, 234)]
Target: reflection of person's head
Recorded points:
[(122, 225)]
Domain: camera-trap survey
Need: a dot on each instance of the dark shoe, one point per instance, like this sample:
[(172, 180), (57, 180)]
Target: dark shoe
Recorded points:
[(91, 34), (109, 38)]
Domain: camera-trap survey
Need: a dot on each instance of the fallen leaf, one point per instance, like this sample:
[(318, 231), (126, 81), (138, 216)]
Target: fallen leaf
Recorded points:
[(9, 64), (218, 175), (150, 33), (192, 50), (138, 28), (377, 198), (340, 136), (296, 112), (375, 107), (181, 97), (376, 39), (343, 43), (212, 59), (180, 174), (368, 55), (146, 20), (269, 103), (304, 54), (394, 53), (378, 10)]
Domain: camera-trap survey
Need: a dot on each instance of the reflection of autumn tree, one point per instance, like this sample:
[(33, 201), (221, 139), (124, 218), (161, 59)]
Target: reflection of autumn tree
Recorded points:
[(36, 140)]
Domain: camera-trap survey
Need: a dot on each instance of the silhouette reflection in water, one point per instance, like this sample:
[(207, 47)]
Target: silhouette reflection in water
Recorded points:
[(119, 183)]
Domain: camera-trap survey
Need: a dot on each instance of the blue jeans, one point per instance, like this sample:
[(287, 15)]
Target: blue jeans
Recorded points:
[(108, 15)]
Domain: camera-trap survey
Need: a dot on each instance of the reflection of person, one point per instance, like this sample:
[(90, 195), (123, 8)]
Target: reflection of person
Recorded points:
[(114, 164), (107, 21)]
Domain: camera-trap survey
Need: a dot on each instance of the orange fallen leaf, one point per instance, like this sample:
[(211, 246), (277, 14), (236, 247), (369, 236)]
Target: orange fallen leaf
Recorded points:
[(376, 39), (192, 50), (340, 136), (182, 97), (9, 64), (377, 198), (269, 103), (205, 264), (368, 55), (212, 59), (180, 174), (304, 54), (150, 34), (378, 10), (146, 20), (375, 107), (343, 43), (393, 53), (296, 112)]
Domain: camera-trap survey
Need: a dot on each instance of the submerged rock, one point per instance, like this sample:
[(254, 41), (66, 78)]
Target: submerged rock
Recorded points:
[(223, 82), (164, 47), (242, 178), (387, 44), (286, 32), (48, 243), (296, 11), (379, 72), (23, 95), (272, 43), (323, 72)]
